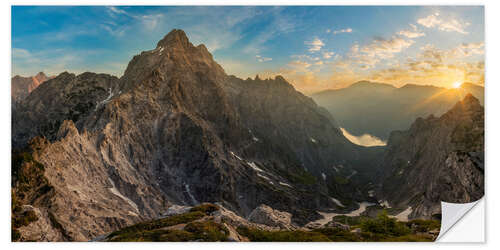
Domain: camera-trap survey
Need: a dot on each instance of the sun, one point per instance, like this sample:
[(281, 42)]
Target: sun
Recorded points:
[(457, 84)]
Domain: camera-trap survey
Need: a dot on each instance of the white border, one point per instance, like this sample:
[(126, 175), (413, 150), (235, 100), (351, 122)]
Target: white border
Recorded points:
[(492, 10)]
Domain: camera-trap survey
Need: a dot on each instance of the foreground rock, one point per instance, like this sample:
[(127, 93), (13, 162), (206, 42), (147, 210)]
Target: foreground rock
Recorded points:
[(266, 215)]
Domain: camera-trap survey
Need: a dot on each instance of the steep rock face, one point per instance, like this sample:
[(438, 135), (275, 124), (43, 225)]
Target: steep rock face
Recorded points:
[(437, 159), (171, 130), (65, 97)]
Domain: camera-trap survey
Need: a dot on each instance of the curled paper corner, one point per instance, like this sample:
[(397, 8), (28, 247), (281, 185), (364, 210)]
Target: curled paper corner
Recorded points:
[(451, 213)]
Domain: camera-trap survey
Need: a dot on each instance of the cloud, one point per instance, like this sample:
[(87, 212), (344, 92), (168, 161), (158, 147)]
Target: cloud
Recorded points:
[(411, 33), (315, 45), (299, 65), (363, 140), (114, 10), (263, 59), (438, 66), (448, 25), (151, 21), (378, 49), (335, 32), (280, 23), (328, 55)]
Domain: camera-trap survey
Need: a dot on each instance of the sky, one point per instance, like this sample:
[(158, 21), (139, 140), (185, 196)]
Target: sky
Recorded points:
[(314, 47)]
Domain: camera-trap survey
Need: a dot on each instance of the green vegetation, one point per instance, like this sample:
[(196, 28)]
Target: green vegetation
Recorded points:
[(206, 208), (157, 224), (194, 230), (338, 235), (381, 228), (199, 225), (341, 180), (296, 236), (207, 231), (423, 225), (298, 176), (384, 225)]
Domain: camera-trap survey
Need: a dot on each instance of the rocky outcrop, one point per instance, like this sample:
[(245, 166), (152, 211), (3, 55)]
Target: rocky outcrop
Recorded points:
[(437, 159), (266, 215)]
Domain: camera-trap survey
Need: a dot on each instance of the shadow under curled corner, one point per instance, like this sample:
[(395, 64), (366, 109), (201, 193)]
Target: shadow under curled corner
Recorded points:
[(453, 213)]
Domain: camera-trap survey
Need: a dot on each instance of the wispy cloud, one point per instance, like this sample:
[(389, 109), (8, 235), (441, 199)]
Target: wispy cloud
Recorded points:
[(450, 24), (411, 33), (328, 55), (335, 32), (315, 45), (263, 59), (378, 49)]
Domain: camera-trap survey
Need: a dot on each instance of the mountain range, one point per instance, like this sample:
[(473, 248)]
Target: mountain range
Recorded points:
[(22, 86), (93, 153), (379, 108)]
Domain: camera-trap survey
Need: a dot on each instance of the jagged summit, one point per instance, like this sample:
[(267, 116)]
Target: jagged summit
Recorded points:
[(470, 100), (174, 38)]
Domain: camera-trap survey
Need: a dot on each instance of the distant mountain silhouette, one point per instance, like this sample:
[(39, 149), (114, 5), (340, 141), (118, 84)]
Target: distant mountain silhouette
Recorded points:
[(379, 108)]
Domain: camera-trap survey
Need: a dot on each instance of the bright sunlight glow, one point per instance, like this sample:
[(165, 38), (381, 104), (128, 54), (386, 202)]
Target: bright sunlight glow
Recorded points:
[(457, 84)]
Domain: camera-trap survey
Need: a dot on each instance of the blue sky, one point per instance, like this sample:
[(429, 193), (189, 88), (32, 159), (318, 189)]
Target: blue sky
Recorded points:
[(315, 48)]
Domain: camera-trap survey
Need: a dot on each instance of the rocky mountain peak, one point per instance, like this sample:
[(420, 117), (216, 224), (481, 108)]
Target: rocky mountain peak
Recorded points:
[(174, 38), (470, 101), (174, 53), (40, 75), (469, 106)]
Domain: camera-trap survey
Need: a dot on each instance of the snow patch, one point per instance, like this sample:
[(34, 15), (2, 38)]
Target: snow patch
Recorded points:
[(117, 193), (110, 96), (371, 193), (285, 184), (327, 217), (254, 167), (352, 174), (263, 177), (237, 157), (384, 203), (403, 216), (188, 190), (337, 202)]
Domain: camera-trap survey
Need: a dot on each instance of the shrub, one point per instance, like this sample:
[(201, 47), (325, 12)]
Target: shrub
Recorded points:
[(207, 231), (157, 224), (337, 234), (385, 225), (206, 208), (423, 225)]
